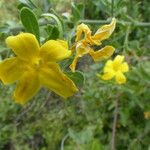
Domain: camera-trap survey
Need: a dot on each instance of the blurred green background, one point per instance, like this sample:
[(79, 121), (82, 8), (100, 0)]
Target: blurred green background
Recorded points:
[(84, 122)]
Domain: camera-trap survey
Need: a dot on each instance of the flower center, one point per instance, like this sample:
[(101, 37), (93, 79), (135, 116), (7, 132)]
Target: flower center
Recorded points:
[(116, 67), (36, 63)]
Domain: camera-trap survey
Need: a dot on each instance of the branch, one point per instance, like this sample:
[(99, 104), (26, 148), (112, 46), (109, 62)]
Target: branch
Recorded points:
[(121, 22), (125, 45), (63, 141)]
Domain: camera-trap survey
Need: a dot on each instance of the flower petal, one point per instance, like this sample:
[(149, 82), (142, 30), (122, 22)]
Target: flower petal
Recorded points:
[(63, 43), (24, 45), (106, 30), (103, 53), (92, 41), (81, 50), (108, 66), (11, 69), (118, 59), (53, 78), (27, 87), (120, 78), (124, 67), (54, 50), (82, 28), (108, 75), (74, 63), (117, 62), (98, 37)]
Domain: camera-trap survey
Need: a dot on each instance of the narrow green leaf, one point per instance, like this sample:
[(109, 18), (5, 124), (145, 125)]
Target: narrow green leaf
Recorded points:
[(77, 11), (58, 21), (30, 22), (53, 32), (77, 77)]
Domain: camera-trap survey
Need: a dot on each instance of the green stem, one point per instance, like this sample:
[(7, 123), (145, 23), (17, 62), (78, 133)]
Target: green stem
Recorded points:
[(124, 23), (63, 141), (121, 22), (126, 38)]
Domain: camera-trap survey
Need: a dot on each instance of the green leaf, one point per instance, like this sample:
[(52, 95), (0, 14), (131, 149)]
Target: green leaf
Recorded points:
[(77, 77), (2, 49), (30, 22), (58, 21), (96, 145), (81, 8), (124, 116), (27, 3), (82, 137), (77, 11), (53, 32)]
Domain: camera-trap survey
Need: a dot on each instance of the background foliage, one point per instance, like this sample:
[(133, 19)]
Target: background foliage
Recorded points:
[(84, 122)]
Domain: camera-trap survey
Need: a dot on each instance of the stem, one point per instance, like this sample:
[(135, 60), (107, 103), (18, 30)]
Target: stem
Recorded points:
[(126, 38), (114, 128), (63, 141), (121, 22)]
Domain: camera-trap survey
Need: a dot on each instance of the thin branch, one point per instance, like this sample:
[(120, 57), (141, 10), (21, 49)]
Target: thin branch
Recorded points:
[(121, 22), (63, 141), (125, 46), (113, 141)]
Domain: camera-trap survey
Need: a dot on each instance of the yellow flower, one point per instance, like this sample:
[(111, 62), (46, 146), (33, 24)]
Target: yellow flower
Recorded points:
[(83, 45), (36, 66), (115, 69), (147, 115)]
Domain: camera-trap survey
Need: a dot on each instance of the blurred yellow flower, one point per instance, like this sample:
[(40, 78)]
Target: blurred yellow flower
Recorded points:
[(115, 69), (147, 115), (35, 66), (83, 45)]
